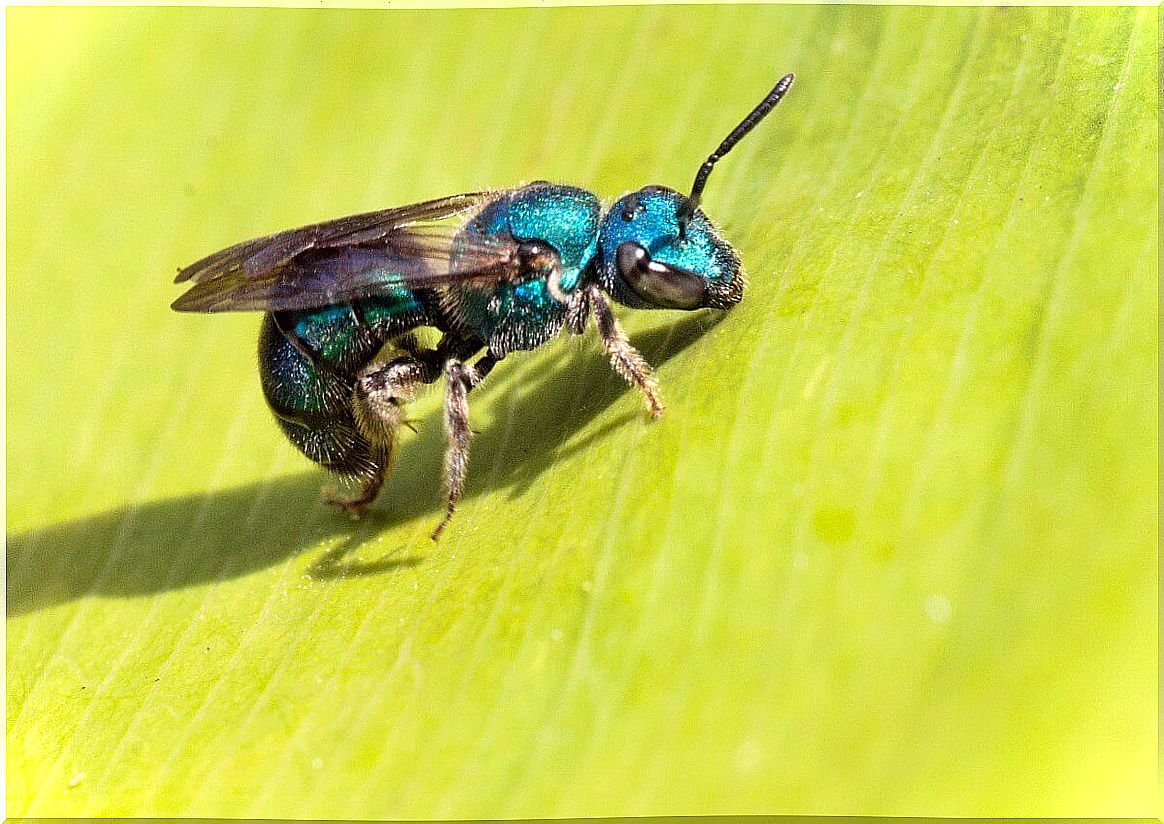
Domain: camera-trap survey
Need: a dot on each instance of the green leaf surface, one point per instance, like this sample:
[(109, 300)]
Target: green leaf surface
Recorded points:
[(891, 549)]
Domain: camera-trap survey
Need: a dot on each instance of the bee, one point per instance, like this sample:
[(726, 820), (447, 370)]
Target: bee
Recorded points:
[(493, 272)]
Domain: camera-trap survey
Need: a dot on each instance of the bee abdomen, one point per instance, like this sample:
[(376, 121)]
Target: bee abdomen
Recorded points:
[(309, 364)]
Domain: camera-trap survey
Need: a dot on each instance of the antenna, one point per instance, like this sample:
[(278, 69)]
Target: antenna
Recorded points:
[(687, 207)]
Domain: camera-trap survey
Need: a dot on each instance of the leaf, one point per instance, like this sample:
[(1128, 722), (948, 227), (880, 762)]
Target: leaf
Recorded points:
[(889, 551)]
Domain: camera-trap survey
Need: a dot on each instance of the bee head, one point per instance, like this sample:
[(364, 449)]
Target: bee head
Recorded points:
[(658, 250), (644, 263)]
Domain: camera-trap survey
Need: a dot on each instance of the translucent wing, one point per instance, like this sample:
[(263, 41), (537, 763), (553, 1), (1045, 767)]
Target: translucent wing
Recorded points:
[(350, 258)]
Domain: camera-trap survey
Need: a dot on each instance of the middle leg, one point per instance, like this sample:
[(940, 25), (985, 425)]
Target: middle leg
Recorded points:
[(461, 379)]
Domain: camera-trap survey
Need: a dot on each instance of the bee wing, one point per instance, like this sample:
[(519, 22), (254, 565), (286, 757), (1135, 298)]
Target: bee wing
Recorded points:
[(411, 257), (254, 258), (348, 259)]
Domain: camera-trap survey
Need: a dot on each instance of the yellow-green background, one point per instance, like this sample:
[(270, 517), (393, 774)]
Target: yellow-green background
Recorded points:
[(891, 550)]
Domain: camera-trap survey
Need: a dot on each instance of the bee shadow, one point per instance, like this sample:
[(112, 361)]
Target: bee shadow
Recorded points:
[(198, 539)]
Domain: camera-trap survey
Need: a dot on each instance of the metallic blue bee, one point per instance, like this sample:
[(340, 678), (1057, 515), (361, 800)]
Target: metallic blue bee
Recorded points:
[(498, 271)]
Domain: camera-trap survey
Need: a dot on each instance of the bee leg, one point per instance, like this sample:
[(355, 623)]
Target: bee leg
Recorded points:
[(378, 408), (370, 483), (623, 357), (355, 458), (578, 312), (461, 379), (381, 392)]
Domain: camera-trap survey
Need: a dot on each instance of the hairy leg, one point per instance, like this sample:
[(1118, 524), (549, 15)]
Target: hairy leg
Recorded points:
[(381, 392), (461, 378), (378, 400), (379, 397), (378, 407), (357, 504), (623, 357)]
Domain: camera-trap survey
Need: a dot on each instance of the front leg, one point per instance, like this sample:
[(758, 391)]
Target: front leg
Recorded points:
[(461, 378), (623, 357)]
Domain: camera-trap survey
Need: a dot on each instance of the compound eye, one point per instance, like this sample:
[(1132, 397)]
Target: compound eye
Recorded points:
[(657, 283)]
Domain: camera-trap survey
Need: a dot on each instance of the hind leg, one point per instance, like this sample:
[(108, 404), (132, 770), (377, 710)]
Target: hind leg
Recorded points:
[(369, 487), (386, 385), (382, 391), (378, 409), (379, 398), (335, 443)]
